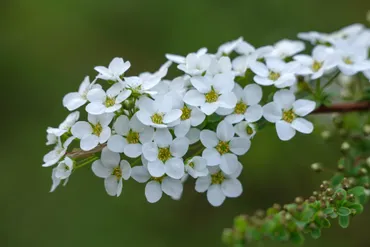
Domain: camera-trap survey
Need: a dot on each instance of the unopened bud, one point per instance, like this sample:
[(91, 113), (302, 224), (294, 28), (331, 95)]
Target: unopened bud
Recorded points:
[(363, 171), (345, 146), (368, 161), (366, 129), (299, 200), (312, 199), (316, 167), (325, 134)]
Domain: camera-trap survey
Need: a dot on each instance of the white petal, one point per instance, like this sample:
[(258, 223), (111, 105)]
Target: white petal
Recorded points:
[(259, 69), (232, 188), (225, 131), (95, 108), (175, 168), (215, 195), (121, 126), (96, 95), (182, 129), (162, 137), (253, 113), (194, 98), (227, 100), (109, 158), (172, 116), (284, 130), (126, 169), (229, 163), (263, 81), (239, 145), (89, 142), (104, 135), (123, 96), (100, 170), (193, 135), (111, 185), (153, 191), (272, 112), (212, 156), (72, 101), (81, 129), (150, 151), (197, 117), (156, 169), (209, 108), (234, 118), (302, 107), (172, 187), (302, 125), (133, 150), (140, 174), (252, 94), (208, 138), (179, 147), (284, 98), (202, 184), (146, 135), (202, 85), (117, 143)]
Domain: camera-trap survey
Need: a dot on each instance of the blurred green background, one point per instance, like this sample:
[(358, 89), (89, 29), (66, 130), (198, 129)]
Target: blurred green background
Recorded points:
[(47, 47)]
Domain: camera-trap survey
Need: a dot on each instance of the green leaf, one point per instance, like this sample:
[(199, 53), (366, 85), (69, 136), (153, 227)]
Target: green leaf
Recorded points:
[(240, 223), (343, 211), (333, 215), (329, 210), (358, 207), (344, 221), (316, 233), (297, 238), (214, 118), (357, 191), (326, 223), (337, 179)]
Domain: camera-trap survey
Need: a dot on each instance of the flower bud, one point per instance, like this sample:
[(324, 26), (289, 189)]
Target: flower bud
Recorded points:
[(325, 134), (345, 147), (128, 104), (317, 167), (366, 129)]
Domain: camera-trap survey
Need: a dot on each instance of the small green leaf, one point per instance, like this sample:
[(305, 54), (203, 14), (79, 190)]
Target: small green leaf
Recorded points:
[(357, 191), (329, 210), (214, 118), (343, 211), (344, 221), (326, 223), (240, 223), (316, 233), (297, 238), (358, 207), (337, 179)]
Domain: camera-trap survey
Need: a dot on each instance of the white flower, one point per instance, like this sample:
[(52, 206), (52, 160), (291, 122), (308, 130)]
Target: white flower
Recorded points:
[(222, 147), (64, 168), (228, 47), (191, 116), (130, 135), (56, 181), (286, 48), (57, 153), (287, 114), (194, 63), (106, 102), (74, 100), (351, 60), (157, 113), (212, 93), (275, 72), (113, 170), (220, 66), (180, 59), (51, 139), (115, 70), (164, 155), (322, 61), (65, 126), (196, 167), (245, 129), (193, 135), (157, 185), (220, 185), (95, 131), (247, 106)]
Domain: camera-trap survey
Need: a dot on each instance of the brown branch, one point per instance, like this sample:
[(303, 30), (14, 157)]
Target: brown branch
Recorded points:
[(344, 107), (78, 153)]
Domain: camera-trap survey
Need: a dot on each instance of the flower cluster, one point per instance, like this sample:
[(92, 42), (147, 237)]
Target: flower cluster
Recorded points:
[(160, 131)]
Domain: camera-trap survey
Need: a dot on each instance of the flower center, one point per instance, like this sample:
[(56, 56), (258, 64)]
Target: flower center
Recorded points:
[(240, 108), (164, 154), (211, 96), (97, 129), (223, 147), (158, 179), (249, 130), (289, 116), (347, 60), (117, 172), (316, 66), (186, 113), (110, 102), (157, 118), (132, 137), (217, 178), (274, 75), (191, 164)]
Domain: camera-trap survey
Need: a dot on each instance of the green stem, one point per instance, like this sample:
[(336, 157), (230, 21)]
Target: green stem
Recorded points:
[(86, 162), (331, 80)]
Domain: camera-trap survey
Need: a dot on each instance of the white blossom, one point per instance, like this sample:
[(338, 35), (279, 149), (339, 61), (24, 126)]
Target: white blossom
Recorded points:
[(196, 167), (286, 48), (64, 168), (113, 170), (287, 113), (65, 126), (57, 153), (115, 70)]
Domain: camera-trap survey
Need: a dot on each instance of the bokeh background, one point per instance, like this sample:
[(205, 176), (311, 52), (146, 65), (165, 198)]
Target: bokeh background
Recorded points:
[(47, 47)]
